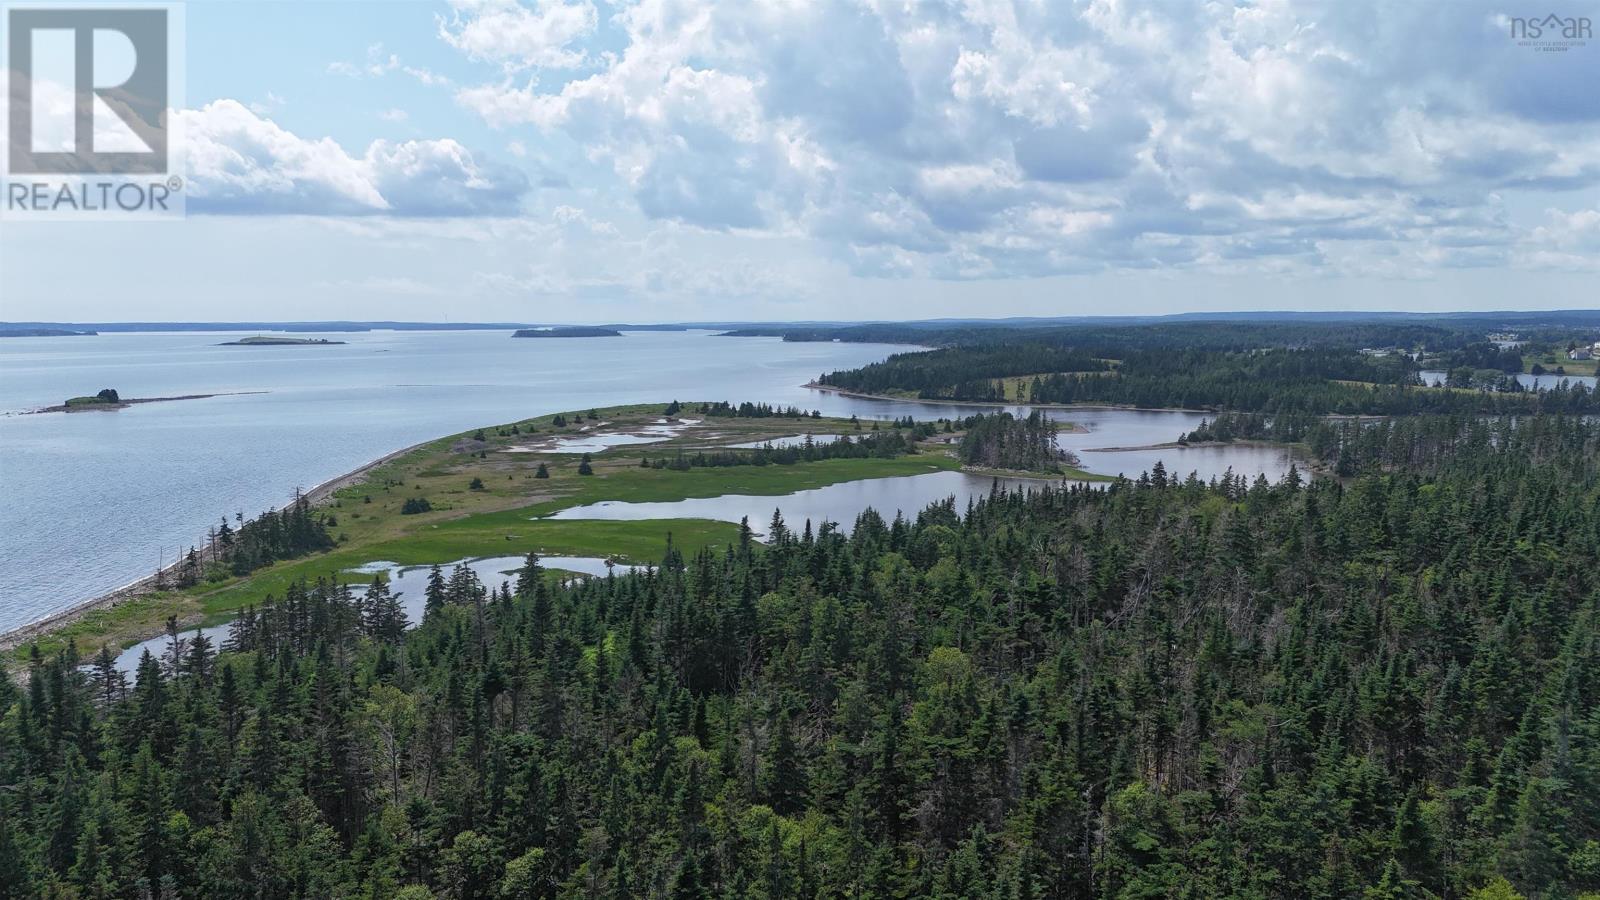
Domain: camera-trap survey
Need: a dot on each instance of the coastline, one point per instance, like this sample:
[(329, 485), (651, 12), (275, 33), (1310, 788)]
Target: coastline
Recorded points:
[(318, 494), (830, 389)]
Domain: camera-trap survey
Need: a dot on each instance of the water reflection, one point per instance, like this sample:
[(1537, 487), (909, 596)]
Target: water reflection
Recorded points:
[(408, 583), (1547, 382), (1138, 429), (1106, 427), (841, 503)]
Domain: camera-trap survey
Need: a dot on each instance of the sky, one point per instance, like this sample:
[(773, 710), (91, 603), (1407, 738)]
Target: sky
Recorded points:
[(682, 160)]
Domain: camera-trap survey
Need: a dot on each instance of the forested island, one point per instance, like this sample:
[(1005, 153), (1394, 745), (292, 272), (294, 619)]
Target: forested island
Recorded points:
[(276, 341), (566, 331)]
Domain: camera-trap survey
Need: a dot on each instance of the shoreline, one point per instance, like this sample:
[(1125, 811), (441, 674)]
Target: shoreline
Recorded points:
[(318, 494), (1184, 445), (830, 389)]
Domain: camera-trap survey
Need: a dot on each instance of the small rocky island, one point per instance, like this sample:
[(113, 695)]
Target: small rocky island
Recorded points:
[(264, 341), (567, 331), (109, 399), (105, 398)]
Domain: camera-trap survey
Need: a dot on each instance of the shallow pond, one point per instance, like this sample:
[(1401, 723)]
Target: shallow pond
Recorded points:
[(661, 430), (1103, 427), (841, 503), (409, 583), (1137, 429)]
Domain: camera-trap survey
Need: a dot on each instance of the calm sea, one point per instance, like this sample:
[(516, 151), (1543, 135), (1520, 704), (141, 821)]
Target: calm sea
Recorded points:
[(97, 499)]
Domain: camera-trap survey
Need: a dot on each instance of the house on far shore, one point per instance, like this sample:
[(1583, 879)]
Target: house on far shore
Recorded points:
[(1581, 354)]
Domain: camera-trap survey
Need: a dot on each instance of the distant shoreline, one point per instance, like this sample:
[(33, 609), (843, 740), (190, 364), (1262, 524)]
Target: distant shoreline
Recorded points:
[(830, 389), (566, 332)]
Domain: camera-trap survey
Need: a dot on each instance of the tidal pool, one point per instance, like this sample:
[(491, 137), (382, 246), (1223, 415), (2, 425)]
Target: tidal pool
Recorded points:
[(661, 430)]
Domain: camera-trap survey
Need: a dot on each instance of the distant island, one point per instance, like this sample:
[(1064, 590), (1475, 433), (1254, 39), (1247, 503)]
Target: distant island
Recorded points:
[(42, 332), (569, 331), (263, 341), (109, 399)]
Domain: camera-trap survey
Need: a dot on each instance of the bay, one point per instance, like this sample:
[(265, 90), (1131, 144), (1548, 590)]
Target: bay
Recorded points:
[(94, 500), (97, 499)]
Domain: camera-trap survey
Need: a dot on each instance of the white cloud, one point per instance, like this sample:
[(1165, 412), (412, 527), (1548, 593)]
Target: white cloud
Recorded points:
[(242, 163), (994, 138), (1567, 240), (518, 36), (380, 63), (268, 106)]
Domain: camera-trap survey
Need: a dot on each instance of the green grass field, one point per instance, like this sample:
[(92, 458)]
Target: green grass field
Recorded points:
[(500, 518), (1560, 359)]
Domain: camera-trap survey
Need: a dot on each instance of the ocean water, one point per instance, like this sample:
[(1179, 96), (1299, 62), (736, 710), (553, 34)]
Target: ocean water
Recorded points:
[(94, 500)]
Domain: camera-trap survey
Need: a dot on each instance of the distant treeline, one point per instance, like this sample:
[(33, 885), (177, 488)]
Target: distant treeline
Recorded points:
[(1435, 333), (1280, 380), (749, 410), (43, 332), (1110, 341), (966, 373)]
